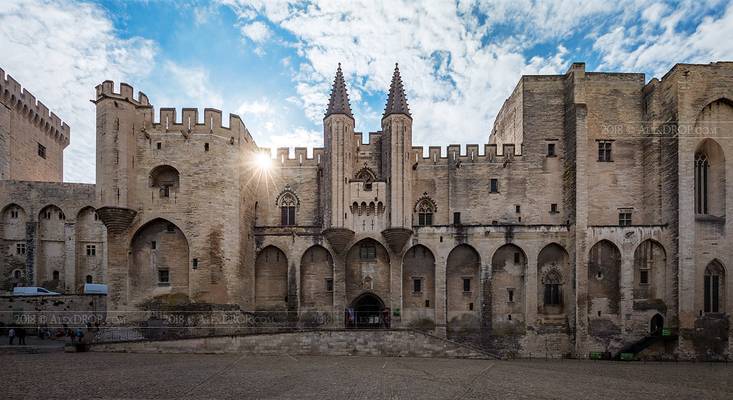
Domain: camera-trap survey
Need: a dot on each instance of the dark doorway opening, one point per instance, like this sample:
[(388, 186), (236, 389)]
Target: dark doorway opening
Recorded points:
[(367, 311), (656, 325)]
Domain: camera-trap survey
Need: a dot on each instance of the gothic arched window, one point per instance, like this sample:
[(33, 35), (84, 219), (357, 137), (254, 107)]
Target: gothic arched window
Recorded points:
[(714, 290), (365, 175), (425, 208), (702, 168), (552, 288), (288, 203)]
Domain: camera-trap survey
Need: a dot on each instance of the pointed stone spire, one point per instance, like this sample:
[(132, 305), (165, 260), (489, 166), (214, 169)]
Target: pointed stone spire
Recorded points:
[(396, 100), (339, 101)]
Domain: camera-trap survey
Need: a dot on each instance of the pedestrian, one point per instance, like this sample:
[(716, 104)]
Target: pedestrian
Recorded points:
[(79, 334), (11, 335), (21, 336)]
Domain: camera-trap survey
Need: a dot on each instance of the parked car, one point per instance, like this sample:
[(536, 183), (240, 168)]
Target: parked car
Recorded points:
[(33, 291), (94, 288)]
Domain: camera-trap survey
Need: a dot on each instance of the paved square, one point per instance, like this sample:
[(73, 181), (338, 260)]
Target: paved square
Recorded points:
[(180, 376)]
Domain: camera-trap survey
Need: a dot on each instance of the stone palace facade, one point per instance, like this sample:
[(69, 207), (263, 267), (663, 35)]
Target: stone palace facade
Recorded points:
[(593, 218)]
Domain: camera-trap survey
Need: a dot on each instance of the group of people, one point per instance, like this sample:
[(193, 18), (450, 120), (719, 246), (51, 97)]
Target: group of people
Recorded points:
[(20, 333), (367, 319), (74, 335)]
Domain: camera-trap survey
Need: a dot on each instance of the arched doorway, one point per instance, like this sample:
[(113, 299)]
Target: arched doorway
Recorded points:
[(367, 311), (656, 325)]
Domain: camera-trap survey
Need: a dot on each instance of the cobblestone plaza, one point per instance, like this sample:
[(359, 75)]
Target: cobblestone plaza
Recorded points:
[(147, 376)]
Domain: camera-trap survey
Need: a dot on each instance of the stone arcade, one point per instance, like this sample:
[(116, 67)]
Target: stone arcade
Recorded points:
[(595, 215)]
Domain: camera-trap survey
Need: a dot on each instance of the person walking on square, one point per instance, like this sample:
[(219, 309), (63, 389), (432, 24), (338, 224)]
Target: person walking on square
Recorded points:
[(11, 335)]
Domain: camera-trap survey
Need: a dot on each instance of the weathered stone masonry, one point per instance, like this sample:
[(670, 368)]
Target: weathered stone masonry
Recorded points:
[(595, 212)]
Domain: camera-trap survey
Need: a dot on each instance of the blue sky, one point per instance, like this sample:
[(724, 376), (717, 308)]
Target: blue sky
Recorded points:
[(272, 62)]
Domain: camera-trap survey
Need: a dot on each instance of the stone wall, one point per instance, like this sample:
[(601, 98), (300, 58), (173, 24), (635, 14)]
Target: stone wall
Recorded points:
[(25, 126), (54, 311), (394, 343), (45, 229)]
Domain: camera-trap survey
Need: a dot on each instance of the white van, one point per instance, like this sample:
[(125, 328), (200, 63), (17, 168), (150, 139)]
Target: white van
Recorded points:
[(94, 288), (33, 291)]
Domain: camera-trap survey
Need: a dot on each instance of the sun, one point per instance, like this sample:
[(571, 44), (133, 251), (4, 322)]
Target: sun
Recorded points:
[(263, 161)]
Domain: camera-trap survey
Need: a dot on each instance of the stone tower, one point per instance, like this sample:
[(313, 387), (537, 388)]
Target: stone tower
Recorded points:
[(396, 148), (117, 119), (338, 139)]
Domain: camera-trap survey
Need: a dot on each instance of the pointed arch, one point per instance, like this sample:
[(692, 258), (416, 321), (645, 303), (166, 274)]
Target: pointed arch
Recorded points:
[(709, 176), (508, 271), (367, 269), (90, 247), (554, 290), (159, 260), (271, 279), (366, 175), (650, 265), (714, 288), (51, 250), (316, 278), (463, 268), (425, 208), (165, 179), (418, 285), (289, 203), (604, 276), (14, 220)]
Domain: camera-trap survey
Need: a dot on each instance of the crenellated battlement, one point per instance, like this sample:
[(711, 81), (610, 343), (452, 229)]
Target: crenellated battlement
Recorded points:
[(374, 137), (472, 154), (17, 98), (190, 122), (168, 117), (125, 92), (300, 156)]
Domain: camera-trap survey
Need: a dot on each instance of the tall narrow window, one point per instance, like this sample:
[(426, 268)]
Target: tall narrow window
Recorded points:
[(604, 151), (425, 213), (466, 284), (288, 203), (552, 288), (287, 210), (550, 149), (494, 185), (41, 150), (456, 218), (702, 169), (714, 288)]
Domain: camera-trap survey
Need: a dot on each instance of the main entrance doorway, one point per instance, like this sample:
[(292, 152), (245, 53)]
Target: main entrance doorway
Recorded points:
[(656, 325), (367, 311)]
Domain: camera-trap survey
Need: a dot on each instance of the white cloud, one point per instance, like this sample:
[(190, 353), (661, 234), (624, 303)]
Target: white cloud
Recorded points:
[(447, 69), (256, 31), (464, 58), (261, 106), (60, 51), (661, 42), (191, 86)]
